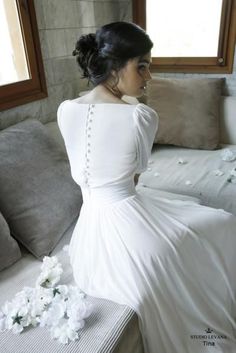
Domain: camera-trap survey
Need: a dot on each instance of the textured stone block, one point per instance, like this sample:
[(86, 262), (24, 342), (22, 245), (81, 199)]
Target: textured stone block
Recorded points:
[(60, 13), (56, 42), (86, 14)]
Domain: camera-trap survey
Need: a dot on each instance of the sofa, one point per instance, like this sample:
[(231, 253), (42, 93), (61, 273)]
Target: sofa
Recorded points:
[(40, 203), (201, 161)]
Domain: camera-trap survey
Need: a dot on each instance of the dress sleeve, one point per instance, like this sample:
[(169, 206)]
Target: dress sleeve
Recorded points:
[(146, 123), (63, 112), (59, 116)]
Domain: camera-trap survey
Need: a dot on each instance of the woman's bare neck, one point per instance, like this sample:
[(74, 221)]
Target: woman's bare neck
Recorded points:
[(99, 95)]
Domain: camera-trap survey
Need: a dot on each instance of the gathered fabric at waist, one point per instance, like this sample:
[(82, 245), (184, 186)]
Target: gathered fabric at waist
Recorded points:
[(109, 194)]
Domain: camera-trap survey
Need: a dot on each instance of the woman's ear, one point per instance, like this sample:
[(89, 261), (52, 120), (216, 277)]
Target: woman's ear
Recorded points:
[(114, 73), (114, 77)]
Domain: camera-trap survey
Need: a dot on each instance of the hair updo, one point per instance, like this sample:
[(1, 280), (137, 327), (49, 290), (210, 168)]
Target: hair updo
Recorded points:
[(109, 49)]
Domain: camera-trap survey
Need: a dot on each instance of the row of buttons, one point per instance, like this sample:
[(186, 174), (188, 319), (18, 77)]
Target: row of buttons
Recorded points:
[(88, 143)]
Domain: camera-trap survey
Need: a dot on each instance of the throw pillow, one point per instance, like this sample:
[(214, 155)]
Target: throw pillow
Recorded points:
[(38, 196), (188, 111), (9, 249)]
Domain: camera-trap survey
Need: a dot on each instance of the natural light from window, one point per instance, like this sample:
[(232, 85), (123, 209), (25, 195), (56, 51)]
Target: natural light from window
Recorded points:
[(184, 28), (13, 63)]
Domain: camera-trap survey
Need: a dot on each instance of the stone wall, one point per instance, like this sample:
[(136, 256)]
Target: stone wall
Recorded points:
[(60, 23)]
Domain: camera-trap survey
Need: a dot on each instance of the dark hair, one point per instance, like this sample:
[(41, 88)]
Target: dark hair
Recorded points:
[(109, 49)]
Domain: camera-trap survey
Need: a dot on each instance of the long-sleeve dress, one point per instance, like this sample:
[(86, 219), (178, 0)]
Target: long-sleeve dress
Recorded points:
[(172, 260)]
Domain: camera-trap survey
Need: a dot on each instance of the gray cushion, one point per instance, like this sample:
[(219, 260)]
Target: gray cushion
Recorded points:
[(188, 111), (214, 191), (38, 196), (9, 249)]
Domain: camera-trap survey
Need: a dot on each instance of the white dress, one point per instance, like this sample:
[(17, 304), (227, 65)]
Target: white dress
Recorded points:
[(173, 261)]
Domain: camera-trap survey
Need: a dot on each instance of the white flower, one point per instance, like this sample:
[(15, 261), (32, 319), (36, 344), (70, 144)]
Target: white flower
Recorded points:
[(49, 277), (60, 309), (228, 155), (188, 182), (60, 292), (24, 313), (14, 323), (25, 295), (231, 179), (79, 310), (218, 172), (43, 297), (233, 172), (64, 333), (182, 161), (76, 293), (76, 325), (49, 262), (53, 315), (51, 272), (232, 176), (17, 328)]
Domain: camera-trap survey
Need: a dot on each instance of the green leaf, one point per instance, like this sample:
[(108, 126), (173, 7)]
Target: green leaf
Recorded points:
[(17, 319), (56, 291)]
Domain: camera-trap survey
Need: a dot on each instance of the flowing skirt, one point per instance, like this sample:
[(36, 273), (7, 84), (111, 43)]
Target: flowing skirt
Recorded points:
[(173, 261)]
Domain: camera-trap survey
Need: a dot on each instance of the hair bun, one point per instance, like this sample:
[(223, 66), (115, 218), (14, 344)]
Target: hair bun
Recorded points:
[(85, 44), (110, 48)]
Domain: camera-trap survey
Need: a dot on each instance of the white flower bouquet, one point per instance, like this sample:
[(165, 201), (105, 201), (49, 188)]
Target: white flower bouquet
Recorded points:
[(60, 308)]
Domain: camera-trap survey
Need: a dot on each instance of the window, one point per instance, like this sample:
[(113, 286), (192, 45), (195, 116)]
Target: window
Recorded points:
[(189, 35), (22, 78)]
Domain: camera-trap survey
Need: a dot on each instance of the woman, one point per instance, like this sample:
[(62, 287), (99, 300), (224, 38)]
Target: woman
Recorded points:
[(171, 260)]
